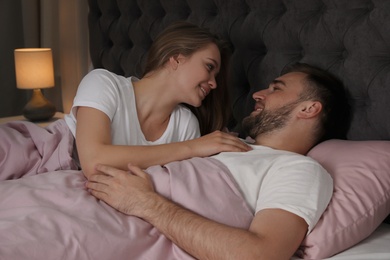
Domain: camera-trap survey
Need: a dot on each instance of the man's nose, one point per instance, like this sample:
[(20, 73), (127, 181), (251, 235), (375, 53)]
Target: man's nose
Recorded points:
[(259, 95)]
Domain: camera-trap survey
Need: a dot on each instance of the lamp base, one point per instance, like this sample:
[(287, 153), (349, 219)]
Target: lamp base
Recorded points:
[(38, 108)]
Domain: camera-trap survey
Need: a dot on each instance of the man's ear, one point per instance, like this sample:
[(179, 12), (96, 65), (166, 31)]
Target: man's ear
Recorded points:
[(309, 109)]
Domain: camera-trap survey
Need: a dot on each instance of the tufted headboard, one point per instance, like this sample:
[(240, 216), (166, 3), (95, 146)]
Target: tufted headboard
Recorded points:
[(350, 38)]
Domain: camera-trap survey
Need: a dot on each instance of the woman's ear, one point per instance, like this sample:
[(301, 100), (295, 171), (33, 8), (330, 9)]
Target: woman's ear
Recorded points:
[(310, 109), (174, 62)]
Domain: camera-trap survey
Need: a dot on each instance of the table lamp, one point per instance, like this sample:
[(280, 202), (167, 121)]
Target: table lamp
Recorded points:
[(34, 70)]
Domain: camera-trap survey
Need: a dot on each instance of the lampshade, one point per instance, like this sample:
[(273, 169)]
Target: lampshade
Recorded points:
[(34, 68)]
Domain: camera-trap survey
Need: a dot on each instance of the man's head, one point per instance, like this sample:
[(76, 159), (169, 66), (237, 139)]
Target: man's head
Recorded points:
[(309, 93)]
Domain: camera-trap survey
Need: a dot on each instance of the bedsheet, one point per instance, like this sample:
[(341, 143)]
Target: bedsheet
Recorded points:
[(27, 149), (375, 247), (52, 216)]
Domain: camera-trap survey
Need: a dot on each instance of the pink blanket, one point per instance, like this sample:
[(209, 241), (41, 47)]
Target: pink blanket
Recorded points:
[(52, 216), (27, 149)]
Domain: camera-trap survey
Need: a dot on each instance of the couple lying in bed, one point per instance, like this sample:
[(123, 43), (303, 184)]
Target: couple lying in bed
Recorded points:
[(257, 204)]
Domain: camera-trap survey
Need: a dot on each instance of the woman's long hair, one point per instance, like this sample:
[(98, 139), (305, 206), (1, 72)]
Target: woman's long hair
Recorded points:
[(186, 38)]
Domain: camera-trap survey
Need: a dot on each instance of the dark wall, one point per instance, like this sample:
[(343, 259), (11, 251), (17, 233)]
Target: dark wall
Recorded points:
[(12, 100)]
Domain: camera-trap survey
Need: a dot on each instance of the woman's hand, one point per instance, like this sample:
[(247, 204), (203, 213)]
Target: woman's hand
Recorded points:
[(217, 142)]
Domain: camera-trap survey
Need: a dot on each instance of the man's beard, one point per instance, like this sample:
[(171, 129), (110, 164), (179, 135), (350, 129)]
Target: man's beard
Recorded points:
[(268, 120)]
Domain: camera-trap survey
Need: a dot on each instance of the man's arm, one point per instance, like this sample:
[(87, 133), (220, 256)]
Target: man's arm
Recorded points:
[(273, 234)]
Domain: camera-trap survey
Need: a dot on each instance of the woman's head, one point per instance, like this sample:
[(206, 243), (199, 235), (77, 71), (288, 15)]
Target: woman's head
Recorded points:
[(179, 38), (185, 39)]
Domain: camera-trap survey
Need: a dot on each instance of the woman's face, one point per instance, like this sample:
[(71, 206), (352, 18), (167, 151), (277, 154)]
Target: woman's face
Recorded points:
[(195, 75)]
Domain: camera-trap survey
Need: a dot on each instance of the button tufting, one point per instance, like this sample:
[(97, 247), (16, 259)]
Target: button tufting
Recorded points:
[(349, 37), (344, 54)]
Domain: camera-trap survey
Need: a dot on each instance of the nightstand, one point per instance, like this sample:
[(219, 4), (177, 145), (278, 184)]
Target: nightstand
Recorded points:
[(57, 116)]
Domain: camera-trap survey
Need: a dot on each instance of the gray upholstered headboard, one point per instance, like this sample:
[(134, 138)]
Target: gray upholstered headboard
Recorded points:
[(350, 38)]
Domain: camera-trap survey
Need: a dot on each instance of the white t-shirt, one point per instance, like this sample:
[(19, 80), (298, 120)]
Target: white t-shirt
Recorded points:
[(114, 95), (270, 178)]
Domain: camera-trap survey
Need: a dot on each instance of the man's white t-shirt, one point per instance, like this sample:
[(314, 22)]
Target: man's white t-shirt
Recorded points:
[(270, 178), (114, 95)]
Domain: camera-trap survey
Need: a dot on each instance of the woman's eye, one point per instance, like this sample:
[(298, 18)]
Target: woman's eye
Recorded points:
[(210, 67)]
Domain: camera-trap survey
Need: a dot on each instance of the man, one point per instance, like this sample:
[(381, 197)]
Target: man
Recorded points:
[(286, 190)]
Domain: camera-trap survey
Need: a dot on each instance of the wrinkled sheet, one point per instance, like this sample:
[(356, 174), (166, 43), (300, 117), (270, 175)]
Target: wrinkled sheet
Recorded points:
[(27, 149), (52, 216)]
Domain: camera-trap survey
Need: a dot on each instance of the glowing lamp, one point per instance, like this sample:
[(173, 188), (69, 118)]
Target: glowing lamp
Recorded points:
[(34, 70)]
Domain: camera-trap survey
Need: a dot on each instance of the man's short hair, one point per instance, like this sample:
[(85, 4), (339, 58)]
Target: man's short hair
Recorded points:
[(326, 88)]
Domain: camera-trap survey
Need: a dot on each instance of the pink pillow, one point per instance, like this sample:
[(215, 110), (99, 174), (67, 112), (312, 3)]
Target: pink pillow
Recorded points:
[(361, 197)]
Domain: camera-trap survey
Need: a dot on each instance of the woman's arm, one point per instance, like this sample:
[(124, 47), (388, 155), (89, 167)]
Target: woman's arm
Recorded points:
[(94, 146)]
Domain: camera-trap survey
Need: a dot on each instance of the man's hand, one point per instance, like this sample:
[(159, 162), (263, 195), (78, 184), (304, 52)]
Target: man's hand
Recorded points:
[(127, 192), (273, 234)]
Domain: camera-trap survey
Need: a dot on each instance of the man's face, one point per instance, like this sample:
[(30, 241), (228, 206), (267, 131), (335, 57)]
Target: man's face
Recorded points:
[(274, 106)]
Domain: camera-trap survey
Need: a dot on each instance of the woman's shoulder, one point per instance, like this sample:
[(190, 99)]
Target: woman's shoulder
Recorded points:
[(104, 78), (183, 116), (102, 73), (183, 111)]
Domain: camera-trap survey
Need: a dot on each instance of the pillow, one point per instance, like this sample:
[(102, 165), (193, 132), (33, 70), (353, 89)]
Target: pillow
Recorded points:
[(361, 196)]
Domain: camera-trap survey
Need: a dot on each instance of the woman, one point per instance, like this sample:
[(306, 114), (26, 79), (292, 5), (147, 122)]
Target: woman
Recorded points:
[(117, 120)]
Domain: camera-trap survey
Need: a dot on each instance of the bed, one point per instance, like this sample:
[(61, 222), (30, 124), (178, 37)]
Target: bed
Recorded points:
[(56, 216), (350, 38)]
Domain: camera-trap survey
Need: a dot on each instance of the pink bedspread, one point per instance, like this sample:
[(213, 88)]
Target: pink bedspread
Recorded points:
[(27, 149), (52, 216)]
